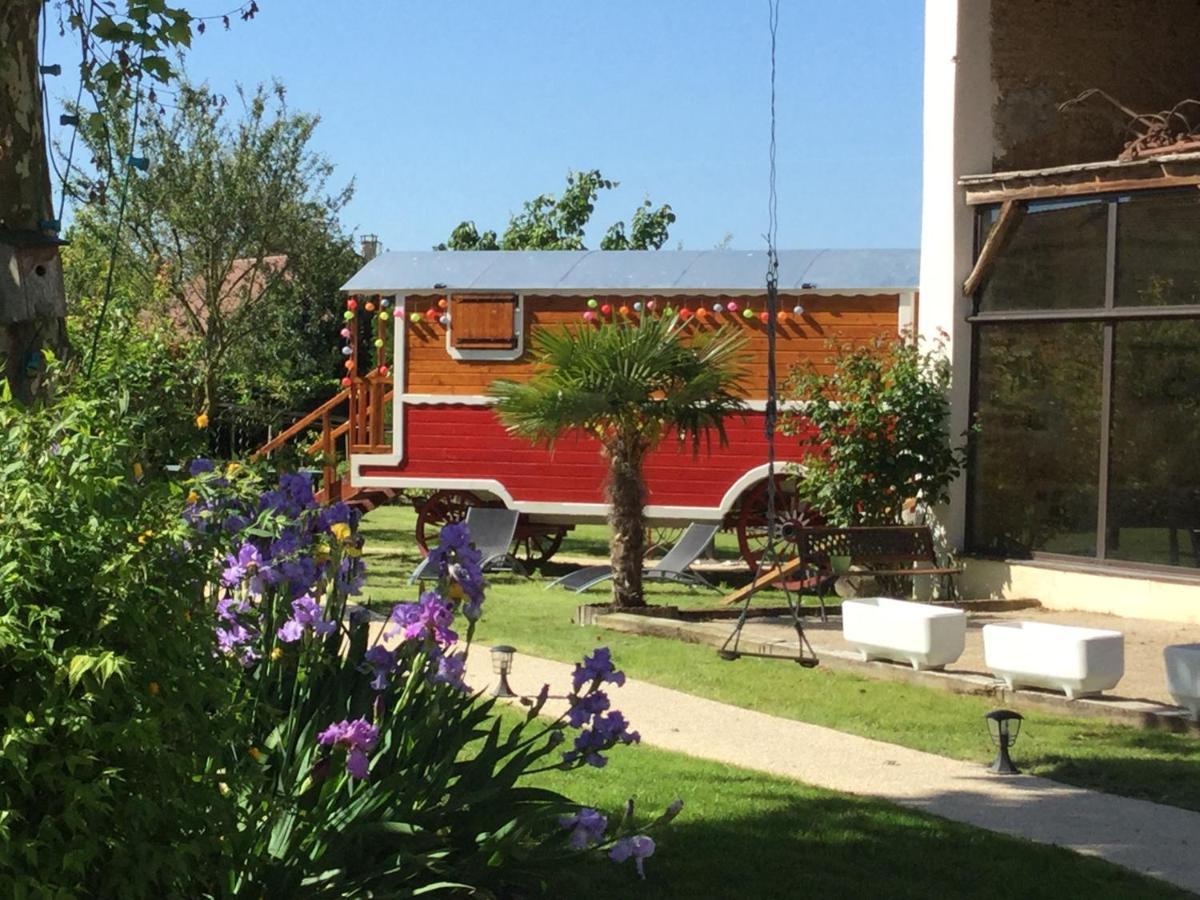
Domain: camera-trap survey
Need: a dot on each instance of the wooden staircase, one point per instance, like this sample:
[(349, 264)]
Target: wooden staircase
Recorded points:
[(354, 420)]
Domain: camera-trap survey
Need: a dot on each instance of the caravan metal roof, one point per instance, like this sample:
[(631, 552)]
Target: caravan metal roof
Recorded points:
[(566, 271)]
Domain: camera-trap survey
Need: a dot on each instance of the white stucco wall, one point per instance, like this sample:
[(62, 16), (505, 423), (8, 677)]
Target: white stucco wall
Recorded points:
[(957, 141)]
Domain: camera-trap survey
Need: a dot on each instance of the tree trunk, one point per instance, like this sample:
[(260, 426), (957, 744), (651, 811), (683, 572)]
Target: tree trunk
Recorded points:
[(32, 302), (626, 498)]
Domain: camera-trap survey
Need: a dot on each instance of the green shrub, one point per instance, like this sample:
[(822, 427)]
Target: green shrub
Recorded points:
[(879, 423), (189, 707), (109, 702)]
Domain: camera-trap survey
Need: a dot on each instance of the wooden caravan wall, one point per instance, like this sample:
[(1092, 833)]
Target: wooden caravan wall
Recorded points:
[(430, 370)]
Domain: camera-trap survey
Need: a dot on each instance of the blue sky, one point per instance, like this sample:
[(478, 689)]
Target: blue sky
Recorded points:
[(444, 111)]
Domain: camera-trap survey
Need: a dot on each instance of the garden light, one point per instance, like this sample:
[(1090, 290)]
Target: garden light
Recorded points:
[(1003, 726), (502, 658)]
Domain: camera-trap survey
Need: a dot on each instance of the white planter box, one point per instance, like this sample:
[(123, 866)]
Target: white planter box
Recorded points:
[(928, 637), (1183, 675), (1073, 660)]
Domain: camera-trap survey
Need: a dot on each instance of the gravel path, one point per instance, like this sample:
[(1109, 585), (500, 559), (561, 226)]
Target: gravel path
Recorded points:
[(1147, 837)]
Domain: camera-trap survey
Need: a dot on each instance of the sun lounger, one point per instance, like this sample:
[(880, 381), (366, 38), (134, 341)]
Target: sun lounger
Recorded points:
[(492, 530), (673, 568)]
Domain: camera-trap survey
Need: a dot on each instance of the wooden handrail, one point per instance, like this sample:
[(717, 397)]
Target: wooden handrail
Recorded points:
[(366, 398), (315, 447), (288, 433)]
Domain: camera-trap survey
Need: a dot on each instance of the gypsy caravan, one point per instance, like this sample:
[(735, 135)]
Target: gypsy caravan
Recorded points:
[(443, 325)]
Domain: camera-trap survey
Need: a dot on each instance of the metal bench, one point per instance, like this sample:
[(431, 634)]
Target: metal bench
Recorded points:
[(880, 550)]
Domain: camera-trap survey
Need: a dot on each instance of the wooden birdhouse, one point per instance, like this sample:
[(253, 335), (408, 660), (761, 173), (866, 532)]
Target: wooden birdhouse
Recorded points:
[(31, 277)]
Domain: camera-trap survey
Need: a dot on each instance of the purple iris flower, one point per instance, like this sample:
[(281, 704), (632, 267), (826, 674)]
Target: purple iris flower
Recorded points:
[(603, 733), (334, 514), (597, 668), (457, 559), (298, 487), (639, 847), (351, 576), (382, 663), (306, 613), (451, 669), (584, 708), (199, 466), (430, 617), (290, 631), (234, 523), (245, 563), (232, 636), (358, 737), (587, 828)]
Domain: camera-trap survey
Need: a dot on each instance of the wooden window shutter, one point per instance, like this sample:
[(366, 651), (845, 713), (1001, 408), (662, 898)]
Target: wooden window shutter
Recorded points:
[(483, 321)]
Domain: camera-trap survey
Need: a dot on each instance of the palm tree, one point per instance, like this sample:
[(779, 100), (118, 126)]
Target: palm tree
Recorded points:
[(630, 383)]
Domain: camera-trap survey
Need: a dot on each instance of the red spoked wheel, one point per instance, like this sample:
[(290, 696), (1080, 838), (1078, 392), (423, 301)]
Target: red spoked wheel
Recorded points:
[(443, 508), (791, 513), (535, 542)]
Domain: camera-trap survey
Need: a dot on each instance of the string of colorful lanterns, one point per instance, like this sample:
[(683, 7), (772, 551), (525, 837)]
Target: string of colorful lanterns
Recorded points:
[(377, 314), (598, 312)]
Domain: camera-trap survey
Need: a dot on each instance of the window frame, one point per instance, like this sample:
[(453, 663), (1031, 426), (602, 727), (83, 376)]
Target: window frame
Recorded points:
[(1109, 315), (497, 353)]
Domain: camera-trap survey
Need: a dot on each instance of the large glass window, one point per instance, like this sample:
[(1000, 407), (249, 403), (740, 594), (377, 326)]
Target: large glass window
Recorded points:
[(1158, 250), (1054, 259), (1154, 469), (1037, 447), (1086, 383)]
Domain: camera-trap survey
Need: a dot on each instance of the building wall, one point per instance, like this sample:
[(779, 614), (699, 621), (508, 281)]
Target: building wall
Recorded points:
[(801, 340), (995, 71), (957, 141), (1044, 52), (1134, 594)]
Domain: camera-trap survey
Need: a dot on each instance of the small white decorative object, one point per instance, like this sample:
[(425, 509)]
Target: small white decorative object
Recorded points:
[(798, 310), (1183, 675), (1076, 661), (927, 637)]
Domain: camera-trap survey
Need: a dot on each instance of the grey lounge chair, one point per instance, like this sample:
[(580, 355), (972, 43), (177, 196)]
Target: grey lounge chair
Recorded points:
[(675, 567), (492, 532)]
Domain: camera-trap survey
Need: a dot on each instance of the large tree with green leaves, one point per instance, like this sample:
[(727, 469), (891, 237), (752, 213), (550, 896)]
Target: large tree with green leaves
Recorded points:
[(630, 384), (557, 223), (232, 238), (122, 45)]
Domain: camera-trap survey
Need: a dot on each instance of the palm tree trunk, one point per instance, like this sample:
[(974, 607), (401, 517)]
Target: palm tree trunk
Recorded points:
[(626, 498)]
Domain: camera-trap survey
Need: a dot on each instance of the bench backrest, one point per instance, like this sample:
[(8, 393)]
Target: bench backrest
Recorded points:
[(885, 545)]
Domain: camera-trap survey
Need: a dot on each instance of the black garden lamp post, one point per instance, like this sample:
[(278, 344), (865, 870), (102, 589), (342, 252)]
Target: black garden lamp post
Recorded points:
[(1003, 725), (502, 658)]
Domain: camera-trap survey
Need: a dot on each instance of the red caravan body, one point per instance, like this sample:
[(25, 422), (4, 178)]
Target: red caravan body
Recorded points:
[(446, 436)]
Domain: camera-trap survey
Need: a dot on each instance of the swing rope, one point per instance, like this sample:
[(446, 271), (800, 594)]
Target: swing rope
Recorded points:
[(770, 557)]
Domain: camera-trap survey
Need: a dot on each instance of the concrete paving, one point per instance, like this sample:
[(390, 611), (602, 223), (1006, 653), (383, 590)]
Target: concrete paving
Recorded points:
[(1156, 840)]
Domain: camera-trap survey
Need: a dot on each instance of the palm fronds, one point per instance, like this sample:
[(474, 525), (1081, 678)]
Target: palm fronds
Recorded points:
[(645, 378)]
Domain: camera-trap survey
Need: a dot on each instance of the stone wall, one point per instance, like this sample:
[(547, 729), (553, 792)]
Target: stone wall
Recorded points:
[(1142, 52)]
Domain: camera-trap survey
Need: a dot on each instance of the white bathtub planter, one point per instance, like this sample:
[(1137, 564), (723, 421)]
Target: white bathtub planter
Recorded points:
[(1183, 675), (1076, 661), (928, 637)]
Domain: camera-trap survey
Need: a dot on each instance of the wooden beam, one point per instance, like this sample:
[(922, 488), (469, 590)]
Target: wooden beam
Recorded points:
[(1047, 189), (1011, 213), (766, 579)]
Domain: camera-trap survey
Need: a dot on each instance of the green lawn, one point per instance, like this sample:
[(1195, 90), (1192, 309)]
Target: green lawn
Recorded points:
[(746, 835), (1152, 765)]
